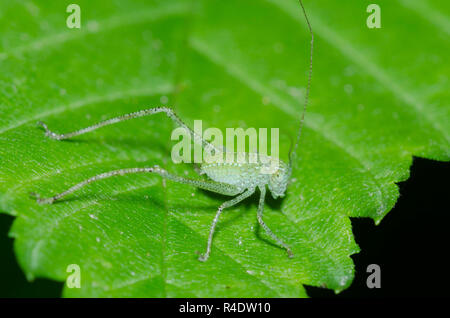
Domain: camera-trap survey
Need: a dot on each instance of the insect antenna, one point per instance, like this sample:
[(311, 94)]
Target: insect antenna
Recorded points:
[(293, 154)]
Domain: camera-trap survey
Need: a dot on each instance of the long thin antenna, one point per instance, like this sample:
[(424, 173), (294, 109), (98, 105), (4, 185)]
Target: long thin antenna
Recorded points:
[(293, 154)]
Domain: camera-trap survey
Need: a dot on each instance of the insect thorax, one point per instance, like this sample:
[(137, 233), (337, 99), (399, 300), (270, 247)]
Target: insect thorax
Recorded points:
[(244, 170)]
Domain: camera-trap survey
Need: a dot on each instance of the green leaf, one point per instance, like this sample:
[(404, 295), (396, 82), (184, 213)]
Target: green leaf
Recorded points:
[(379, 96)]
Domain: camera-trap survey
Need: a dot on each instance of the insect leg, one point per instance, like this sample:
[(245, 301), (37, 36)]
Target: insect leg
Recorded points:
[(224, 205), (265, 227), (206, 185), (147, 112)]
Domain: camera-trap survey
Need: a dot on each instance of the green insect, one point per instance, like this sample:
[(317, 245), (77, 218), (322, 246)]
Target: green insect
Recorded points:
[(228, 178)]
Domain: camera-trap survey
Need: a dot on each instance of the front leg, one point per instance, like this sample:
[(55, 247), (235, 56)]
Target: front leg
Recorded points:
[(265, 227)]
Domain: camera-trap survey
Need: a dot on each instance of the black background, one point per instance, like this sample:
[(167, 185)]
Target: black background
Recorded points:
[(410, 245)]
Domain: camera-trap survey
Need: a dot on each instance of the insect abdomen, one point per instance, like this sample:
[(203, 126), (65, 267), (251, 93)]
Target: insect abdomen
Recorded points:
[(242, 175)]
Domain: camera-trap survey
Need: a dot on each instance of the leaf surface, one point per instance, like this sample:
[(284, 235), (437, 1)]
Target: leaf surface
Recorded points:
[(379, 96)]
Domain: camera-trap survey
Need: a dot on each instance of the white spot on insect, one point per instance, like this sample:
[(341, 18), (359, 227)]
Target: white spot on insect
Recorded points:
[(133, 273), (97, 239), (92, 216), (250, 272), (80, 227), (193, 194), (164, 99), (240, 241)]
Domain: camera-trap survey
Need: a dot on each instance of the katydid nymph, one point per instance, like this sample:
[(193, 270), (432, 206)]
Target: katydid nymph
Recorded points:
[(226, 178)]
